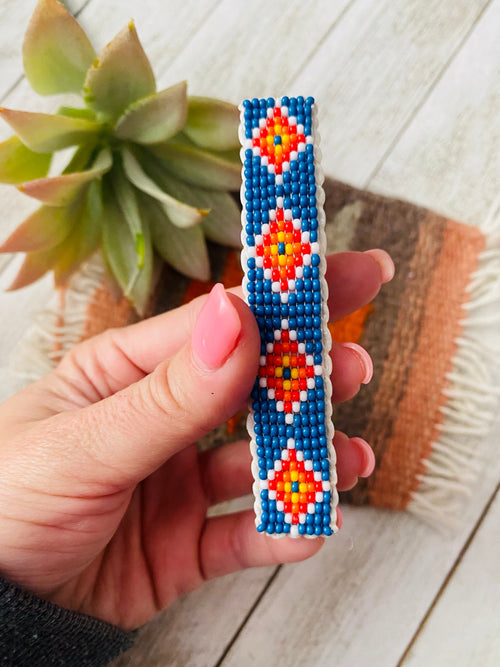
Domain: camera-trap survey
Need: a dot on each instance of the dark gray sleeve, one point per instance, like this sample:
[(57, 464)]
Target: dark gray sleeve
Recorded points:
[(35, 632)]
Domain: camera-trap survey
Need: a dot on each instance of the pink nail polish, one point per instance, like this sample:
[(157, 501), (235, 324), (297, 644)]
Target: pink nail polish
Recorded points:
[(364, 359), (367, 457), (385, 263), (216, 330)]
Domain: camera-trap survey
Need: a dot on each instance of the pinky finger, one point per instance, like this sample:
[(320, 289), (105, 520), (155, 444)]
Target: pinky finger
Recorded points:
[(231, 542)]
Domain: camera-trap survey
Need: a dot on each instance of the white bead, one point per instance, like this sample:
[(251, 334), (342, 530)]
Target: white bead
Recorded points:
[(301, 147), (270, 168), (272, 495), (284, 297), (307, 260), (258, 239), (284, 324), (262, 123), (288, 418), (285, 166), (293, 155), (275, 287), (299, 271), (310, 508), (288, 518), (319, 496), (284, 455), (264, 484), (294, 530), (305, 237), (302, 517), (279, 179), (270, 474), (292, 446), (256, 150), (272, 215), (264, 160), (292, 120), (315, 248), (271, 394), (326, 486), (268, 274), (250, 251), (248, 143), (309, 360), (300, 455), (291, 285), (280, 505), (277, 334), (280, 406), (279, 202), (309, 139), (255, 132), (303, 396), (300, 129), (310, 383), (297, 224), (270, 112), (288, 214), (296, 406), (262, 360), (270, 347), (317, 476), (266, 229), (308, 465), (301, 348), (318, 370), (284, 111), (263, 383), (290, 443), (293, 334)]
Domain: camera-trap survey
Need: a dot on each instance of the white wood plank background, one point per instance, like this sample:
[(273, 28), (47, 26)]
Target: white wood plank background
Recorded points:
[(409, 97)]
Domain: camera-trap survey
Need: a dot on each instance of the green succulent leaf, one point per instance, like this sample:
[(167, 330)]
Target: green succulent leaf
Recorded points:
[(120, 252), (75, 112), (222, 224), (56, 51), (84, 238), (46, 133), (199, 167), (43, 229), (155, 118), (18, 164), (212, 123), (184, 249), (82, 158), (127, 200), (120, 76), (62, 190), (178, 212)]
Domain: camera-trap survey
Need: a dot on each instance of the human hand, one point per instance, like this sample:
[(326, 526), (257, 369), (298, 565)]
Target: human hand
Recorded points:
[(103, 496)]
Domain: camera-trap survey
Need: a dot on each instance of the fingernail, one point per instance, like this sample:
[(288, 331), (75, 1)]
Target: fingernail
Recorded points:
[(340, 518), (216, 330), (385, 262), (364, 359), (367, 457)]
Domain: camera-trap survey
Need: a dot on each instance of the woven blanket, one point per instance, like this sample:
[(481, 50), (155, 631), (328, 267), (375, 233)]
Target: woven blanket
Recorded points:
[(433, 396)]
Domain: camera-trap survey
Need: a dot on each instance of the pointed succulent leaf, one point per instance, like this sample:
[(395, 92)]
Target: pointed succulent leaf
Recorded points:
[(120, 76), (35, 265), (45, 133), (84, 238), (120, 254), (222, 224), (82, 158), (184, 249), (56, 51), (155, 118), (179, 213), (62, 190), (43, 229), (127, 201), (202, 168), (212, 123), (19, 164)]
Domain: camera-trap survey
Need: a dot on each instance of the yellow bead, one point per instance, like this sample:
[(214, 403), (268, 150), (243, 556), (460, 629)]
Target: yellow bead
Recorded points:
[(287, 385), (274, 250), (289, 249), (303, 488), (288, 487), (295, 373), (278, 149), (282, 260), (295, 498), (278, 372), (270, 139), (294, 476), (286, 361), (285, 139), (281, 237), (277, 129)]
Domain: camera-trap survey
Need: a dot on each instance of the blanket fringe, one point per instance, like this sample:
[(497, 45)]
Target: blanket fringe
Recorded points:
[(473, 397)]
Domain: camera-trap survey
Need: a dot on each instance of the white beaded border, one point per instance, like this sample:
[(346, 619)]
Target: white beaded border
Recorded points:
[(326, 337)]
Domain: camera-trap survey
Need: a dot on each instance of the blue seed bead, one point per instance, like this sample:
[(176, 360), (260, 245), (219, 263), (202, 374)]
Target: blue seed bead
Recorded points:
[(316, 466), (302, 529), (279, 528), (296, 212), (286, 528), (295, 487), (277, 140), (318, 519), (261, 527), (272, 517), (270, 102), (327, 496), (264, 517), (262, 103), (270, 528), (327, 519), (318, 530), (310, 530)]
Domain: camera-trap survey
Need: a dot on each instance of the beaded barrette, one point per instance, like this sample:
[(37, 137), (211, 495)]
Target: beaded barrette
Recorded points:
[(283, 258)]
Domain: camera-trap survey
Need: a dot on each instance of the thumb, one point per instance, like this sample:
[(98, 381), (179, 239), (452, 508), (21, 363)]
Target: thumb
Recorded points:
[(131, 433)]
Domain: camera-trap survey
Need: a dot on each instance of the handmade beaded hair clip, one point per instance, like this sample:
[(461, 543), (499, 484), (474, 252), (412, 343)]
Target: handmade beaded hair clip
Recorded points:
[(283, 258)]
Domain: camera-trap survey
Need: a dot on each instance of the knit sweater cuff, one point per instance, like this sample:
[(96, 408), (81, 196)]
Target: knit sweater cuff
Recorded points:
[(35, 632)]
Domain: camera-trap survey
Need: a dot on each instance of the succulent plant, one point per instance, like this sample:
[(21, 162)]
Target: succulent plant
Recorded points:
[(151, 170)]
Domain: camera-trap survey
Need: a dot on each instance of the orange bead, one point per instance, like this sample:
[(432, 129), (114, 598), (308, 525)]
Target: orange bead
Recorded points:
[(293, 465), (283, 273), (287, 396), (275, 260), (302, 477), (310, 487), (286, 477), (288, 498), (290, 261), (288, 238), (302, 497), (280, 486), (302, 373), (297, 248), (295, 508), (295, 385)]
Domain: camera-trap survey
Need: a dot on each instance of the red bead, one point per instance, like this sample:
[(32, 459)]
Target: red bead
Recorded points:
[(266, 239), (271, 382), (256, 142), (277, 360), (278, 475), (262, 372), (301, 139), (318, 486), (287, 507), (297, 260), (295, 396), (293, 145), (284, 285), (285, 465), (270, 371), (267, 262), (275, 274), (285, 336), (310, 371), (306, 249), (290, 273), (311, 497), (279, 394), (302, 508), (297, 235), (277, 112), (303, 383), (309, 476), (272, 485), (295, 518), (278, 347), (270, 122), (288, 407), (301, 359), (294, 346), (280, 495), (280, 215), (292, 455), (259, 250), (300, 466), (288, 226)]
